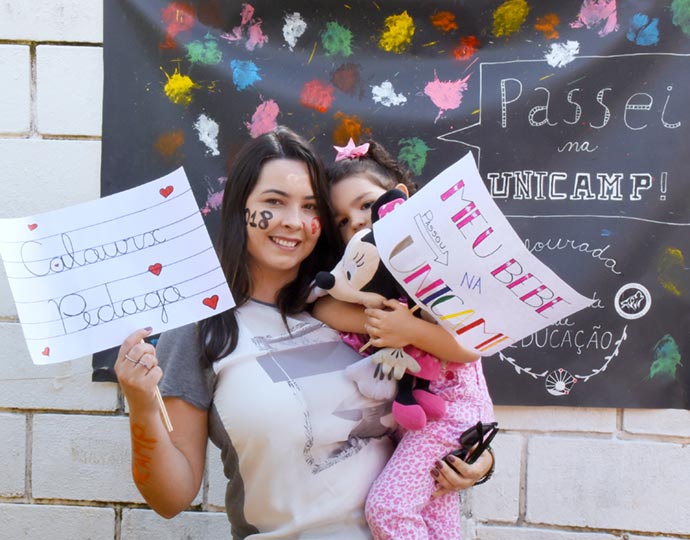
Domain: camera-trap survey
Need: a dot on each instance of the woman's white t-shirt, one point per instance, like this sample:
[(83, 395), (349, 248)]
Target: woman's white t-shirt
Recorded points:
[(300, 445)]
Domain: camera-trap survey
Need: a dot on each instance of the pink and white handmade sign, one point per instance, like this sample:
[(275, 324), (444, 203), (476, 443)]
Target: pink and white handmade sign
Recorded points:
[(84, 277), (457, 256)]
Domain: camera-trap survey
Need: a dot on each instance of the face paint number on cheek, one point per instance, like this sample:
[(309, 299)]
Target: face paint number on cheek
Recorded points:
[(250, 218), (315, 225)]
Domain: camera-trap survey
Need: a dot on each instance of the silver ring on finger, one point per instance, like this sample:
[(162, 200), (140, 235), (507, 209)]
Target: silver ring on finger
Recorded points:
[(130, 359)]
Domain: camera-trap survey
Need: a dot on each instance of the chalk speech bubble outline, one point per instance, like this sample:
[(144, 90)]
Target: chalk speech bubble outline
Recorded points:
[(640, 182)]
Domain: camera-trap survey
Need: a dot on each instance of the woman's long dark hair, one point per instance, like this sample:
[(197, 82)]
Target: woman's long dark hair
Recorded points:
[(219, 334)]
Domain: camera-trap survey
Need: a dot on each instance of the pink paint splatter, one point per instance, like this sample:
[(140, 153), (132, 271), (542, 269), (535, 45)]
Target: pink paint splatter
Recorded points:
[(446, 95), (264, 119), (597, 13), (214, 199), (252, 27), (247, 13)]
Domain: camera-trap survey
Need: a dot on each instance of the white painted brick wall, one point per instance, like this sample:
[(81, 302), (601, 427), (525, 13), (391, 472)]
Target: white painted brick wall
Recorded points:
[(216, 478), (12, 455), (608, 484), (15, 92), (65, 386), (55, 522), (140, 524), (562, 473), (82, 457), (499, 498), (527, 533), (52, 20), (653, 422), (69, 90)]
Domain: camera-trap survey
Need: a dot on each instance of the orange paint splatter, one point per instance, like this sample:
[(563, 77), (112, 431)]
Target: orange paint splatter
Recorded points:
[(169, 143), (467, 47), (547, 25), (349, 126), (317, 95), (347, 78), (444, 21), (177, 17)]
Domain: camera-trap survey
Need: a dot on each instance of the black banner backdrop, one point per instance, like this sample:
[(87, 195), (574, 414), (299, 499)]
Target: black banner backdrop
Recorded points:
[(577, 112)]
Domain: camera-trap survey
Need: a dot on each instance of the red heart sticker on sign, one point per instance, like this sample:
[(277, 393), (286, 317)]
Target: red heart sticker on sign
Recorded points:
[(156, 269), (166, 191), (32, 226), (46, 351), (211, 302)]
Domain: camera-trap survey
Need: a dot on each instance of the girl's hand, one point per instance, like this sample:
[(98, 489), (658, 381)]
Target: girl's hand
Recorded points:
[(137, 369), (460, 475), (393, 326)]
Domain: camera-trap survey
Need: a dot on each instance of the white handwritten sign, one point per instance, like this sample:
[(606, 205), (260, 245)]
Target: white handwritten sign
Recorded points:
[(85, 277), (457, 256)]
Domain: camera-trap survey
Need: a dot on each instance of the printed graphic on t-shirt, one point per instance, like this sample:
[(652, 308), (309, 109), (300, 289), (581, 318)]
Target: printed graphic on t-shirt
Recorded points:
[(298, 357)]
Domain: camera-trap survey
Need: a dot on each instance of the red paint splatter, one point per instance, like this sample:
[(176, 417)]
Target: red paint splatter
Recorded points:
[(168, 143), (177, 17), (467, 47), (317, 95), (547, 25), (349, 127), (347, 78), (444, 21)]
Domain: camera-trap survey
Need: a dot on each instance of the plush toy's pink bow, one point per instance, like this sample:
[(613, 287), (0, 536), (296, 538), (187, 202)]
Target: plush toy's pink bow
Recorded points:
[(351, 151)]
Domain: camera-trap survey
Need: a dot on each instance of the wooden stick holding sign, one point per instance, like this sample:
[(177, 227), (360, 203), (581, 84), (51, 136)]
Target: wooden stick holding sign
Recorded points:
[(85, 277), (164, 411)]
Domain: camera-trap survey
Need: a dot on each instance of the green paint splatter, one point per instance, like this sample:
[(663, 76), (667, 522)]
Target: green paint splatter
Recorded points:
[(204, 52), (666, 358), (336, 39), (681, 15), (413, 153)]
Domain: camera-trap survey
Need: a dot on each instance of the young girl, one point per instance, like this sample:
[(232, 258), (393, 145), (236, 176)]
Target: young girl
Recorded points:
[(400, 504)]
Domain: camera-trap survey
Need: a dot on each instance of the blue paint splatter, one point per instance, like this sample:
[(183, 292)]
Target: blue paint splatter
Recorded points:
[(605, 233), (643, 31), (244, 74)]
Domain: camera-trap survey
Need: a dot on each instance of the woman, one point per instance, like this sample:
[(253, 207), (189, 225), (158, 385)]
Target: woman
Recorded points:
[(265, 380)]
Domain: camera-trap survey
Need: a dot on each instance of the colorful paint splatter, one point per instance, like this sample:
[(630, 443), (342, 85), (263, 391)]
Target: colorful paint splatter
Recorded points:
[(553, 99)]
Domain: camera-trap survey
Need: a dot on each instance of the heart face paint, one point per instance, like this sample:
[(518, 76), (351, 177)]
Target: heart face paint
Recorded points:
[(315, 225)]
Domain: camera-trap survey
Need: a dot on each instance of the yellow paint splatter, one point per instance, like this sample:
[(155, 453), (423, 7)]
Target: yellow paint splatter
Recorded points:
[(509, 17), (672, 270), (397, 37), (179, 87)]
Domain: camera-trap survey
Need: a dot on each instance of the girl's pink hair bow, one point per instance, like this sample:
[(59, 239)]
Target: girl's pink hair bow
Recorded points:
[(351, 151)]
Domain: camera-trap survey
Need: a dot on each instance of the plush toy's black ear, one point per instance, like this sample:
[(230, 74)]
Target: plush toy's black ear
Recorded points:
[(388, 196)]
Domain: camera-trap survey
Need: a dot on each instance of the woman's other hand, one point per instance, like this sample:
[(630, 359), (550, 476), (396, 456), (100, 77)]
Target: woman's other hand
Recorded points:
[(461, 475)]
